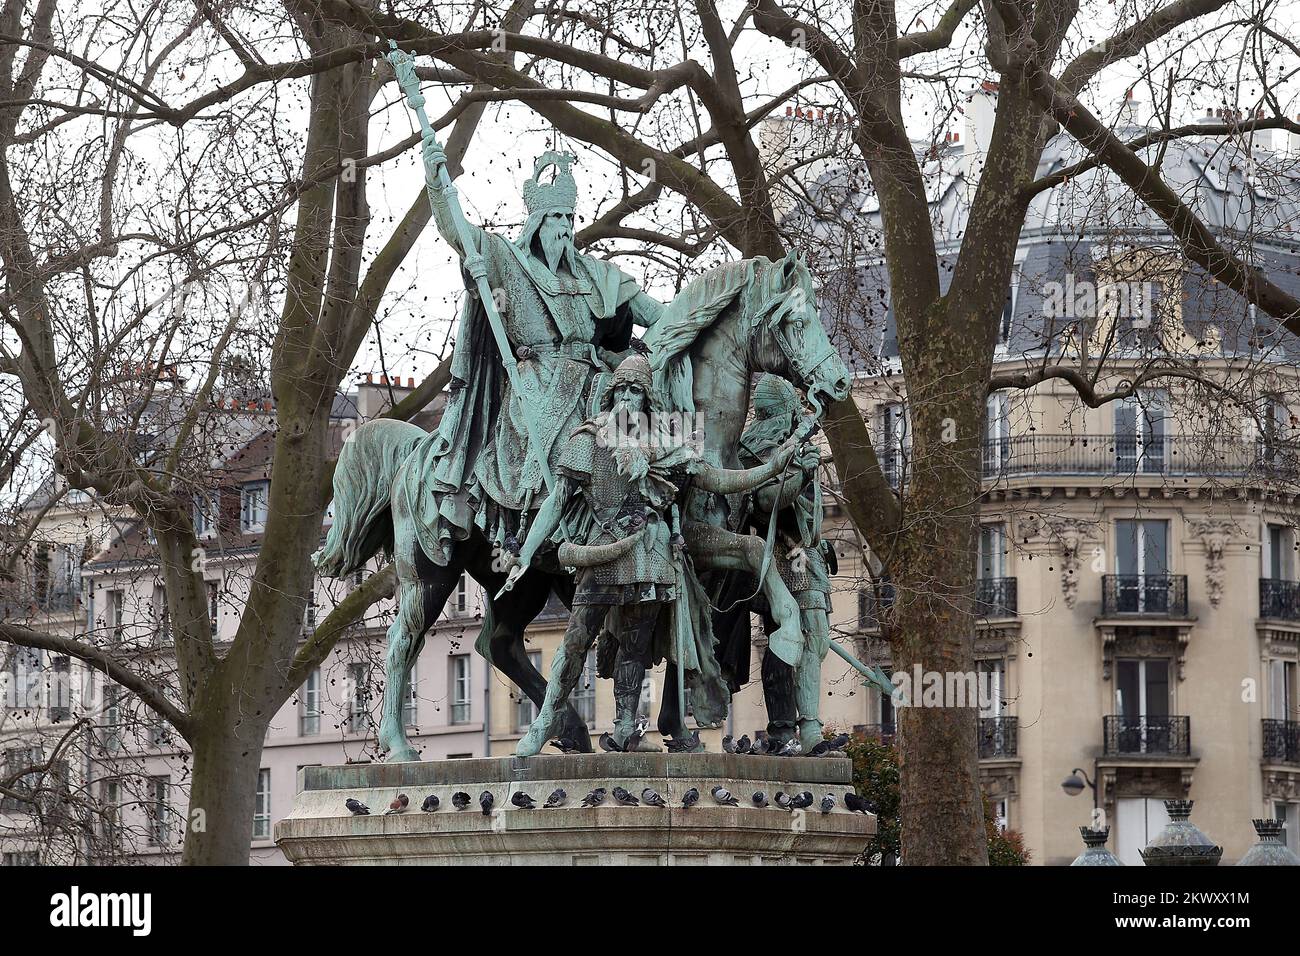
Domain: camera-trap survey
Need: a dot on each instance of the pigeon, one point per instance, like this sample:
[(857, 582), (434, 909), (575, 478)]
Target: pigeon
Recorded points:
[(430, 803), (759, 746), (802, 801), (399, 804), (651, 798), (828, 803), (855, 804), (728, 745), (690, 797), (460, 799), (357, 808), (625, 798), (485, 800), (635, 737), (522, 800), (792, 748), (784, 801), (595, 798), (759, 798), (556, 799), (722, 796), (566, 745), (742, 745), (824, 747)]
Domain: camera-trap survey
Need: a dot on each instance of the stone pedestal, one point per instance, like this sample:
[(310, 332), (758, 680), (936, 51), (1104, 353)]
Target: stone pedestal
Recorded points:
[(320, 831)]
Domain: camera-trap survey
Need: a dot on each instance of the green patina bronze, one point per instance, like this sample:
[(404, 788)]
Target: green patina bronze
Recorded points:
[(541, 333)]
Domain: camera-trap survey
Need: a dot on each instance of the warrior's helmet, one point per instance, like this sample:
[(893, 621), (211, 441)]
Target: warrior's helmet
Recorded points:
[(634, 369)]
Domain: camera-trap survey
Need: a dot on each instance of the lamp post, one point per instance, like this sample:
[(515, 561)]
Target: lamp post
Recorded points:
[(1073, 785)]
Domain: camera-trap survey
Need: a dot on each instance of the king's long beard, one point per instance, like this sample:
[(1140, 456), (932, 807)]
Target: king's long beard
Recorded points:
[(554, 248)]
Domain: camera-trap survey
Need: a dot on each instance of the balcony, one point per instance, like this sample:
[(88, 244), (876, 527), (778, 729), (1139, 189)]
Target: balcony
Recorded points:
[(1147, 736), (1281, 741), (872, 603), (1119, 455), (1144, 595), (995, 597), (1279, 599), (997, 737)]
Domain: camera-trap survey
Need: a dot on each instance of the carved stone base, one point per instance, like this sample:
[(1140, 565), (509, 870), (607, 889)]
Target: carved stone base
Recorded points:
[(320, 831)]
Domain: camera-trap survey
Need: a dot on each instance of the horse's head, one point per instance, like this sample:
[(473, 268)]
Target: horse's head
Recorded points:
[(788, 315)]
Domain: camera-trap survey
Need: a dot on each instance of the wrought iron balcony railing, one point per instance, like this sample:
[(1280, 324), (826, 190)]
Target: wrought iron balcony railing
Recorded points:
[(998, 737), (1157, 736), (872, 603), (1153, 456), (995, 597), (1282, 741), (1152, 595), (1279, 599)]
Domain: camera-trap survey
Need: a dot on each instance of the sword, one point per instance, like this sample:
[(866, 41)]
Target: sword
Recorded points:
[(404, 66)]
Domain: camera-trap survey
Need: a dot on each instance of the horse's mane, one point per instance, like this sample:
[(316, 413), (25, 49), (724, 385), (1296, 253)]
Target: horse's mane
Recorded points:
[(694, 310)]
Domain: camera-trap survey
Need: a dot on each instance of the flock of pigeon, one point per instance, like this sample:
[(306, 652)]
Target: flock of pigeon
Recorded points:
[(649, 797)]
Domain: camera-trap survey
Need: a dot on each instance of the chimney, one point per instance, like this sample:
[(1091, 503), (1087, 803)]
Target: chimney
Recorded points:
[(1128, 111), (981, 109)]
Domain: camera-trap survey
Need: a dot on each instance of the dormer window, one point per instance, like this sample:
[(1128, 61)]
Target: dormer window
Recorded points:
[(205, 516), (253, 499)]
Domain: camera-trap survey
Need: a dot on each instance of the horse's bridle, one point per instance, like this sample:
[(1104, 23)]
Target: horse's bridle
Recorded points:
[(781, 306)]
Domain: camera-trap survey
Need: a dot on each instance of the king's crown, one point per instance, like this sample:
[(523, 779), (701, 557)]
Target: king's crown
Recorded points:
[(559, 195)]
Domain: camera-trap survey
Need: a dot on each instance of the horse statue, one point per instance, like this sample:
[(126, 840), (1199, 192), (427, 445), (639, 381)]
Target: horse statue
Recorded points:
[(729, 324)]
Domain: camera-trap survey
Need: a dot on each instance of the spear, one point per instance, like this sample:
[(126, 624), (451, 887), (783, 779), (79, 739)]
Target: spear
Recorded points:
[(474, 263)]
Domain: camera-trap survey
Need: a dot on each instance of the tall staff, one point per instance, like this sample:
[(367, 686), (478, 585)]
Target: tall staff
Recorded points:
[(404, 65)]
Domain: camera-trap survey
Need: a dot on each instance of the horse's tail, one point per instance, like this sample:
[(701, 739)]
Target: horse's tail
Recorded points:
[(363, 485)]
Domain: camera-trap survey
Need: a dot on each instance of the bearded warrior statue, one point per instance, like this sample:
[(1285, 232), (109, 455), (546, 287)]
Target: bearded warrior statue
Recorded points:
[(614, 514)]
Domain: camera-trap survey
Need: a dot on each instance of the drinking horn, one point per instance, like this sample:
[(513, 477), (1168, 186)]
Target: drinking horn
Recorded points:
[(590, 555)]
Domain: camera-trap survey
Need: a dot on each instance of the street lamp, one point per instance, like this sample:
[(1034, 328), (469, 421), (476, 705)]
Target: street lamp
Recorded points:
[(1073, 785)]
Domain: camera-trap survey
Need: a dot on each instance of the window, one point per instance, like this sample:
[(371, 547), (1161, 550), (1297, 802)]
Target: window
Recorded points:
[(214, 604), (21, 858), (460, 689), (156, 811), (997, 433), (309, 617), (895, 440), (26, 667), (204, 516), (410, 704), (112, 717), (1137, 821), (1140, 433), (262, 808), (111, 814), (253, 499), (1142, 566), (17, 759), (1288, 814), (993, 551), (1000, 819), (60, 690), (1142, 704), (991, 675), (1283, 703), (162, 624), (113, 601), (525, 709), (460, 600), (1279, 557), (358, 698), (584, 695), (309, 715)]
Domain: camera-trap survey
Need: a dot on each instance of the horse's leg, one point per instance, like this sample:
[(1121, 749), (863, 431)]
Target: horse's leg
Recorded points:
[(423, 588), (566, 669), (509, 655), (712, 548)]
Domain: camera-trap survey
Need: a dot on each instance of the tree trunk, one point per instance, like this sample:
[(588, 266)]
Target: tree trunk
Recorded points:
[(933, 569), (227, 749)]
